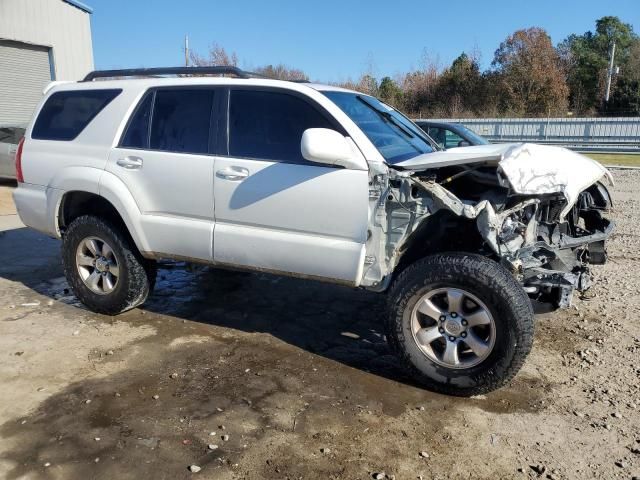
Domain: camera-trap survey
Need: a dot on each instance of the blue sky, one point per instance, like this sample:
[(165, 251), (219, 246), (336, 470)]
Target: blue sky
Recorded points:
[(331, 40)]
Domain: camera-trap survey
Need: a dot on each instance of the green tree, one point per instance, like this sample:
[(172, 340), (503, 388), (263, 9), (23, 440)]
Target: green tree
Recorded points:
[(389, 92), (459, 89), (586, 59)]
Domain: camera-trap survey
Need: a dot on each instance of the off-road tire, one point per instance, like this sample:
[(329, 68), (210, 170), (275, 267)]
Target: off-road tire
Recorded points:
[(137, 274), (492, 284)]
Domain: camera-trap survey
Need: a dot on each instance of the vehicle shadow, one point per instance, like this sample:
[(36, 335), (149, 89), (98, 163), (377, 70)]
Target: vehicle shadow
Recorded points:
[(340, 323)]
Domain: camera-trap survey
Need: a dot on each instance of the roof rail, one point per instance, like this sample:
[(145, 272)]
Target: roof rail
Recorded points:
[(146, 72)]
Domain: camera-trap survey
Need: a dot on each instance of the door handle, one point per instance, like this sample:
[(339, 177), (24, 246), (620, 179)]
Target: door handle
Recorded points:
[(233, 173), (130, 162)]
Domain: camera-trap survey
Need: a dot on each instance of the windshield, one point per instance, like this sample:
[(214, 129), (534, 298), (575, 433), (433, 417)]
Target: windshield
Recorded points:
[(474, 137), (395, 136)]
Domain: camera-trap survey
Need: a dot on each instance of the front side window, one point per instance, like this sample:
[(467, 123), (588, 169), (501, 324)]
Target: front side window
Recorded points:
[(269, 125), (395, 136), (66, 114), (453, 139), (439, 135), (181, 120), (474, 137)]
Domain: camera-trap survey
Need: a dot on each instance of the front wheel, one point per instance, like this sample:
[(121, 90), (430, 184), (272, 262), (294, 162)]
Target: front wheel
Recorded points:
[(461, 323), (104, 268)]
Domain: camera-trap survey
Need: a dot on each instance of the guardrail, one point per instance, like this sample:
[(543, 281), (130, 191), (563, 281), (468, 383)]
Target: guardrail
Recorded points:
[(616, 134)]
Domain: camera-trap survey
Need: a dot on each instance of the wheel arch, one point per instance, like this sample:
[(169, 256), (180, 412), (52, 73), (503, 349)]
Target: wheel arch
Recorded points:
[(75, 203), (443, 232)]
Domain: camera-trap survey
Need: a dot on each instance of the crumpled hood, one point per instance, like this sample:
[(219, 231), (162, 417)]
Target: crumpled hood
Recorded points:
[(529, 168)]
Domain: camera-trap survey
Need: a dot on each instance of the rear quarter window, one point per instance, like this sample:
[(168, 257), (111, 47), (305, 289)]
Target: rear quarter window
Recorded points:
[(66, 114)]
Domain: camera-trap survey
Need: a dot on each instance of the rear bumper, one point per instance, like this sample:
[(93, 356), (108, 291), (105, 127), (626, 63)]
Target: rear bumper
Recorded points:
[(35, 205)]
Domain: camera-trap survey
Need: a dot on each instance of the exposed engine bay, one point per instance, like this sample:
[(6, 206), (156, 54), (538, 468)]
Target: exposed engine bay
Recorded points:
[(537, 210)]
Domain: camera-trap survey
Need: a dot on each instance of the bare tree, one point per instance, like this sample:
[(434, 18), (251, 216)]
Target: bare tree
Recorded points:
[(282, 72), (217, 56)]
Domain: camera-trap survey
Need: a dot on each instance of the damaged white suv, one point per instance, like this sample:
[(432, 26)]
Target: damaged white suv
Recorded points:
[(317, 182)]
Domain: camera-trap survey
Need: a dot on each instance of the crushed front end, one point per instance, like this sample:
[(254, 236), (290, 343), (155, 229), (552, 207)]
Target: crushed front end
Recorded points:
[(539, 211), (554, 260)]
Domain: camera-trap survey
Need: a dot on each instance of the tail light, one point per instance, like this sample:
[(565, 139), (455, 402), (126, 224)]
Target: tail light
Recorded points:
[(19, 175)]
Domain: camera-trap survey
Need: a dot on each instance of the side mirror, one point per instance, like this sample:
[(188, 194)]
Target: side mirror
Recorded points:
[(322, 145), (463, 143)]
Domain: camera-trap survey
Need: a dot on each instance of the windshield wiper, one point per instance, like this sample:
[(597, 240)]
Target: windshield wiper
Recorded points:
[(387, 117)]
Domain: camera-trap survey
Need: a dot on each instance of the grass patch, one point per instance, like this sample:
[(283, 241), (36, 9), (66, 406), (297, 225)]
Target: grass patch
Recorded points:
[(616, 159)]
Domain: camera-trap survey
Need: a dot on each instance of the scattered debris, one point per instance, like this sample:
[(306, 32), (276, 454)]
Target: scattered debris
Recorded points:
[(194, 468)]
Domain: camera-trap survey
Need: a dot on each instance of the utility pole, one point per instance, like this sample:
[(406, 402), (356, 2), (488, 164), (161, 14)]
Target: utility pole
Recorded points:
[(186, 53), (612, 55)]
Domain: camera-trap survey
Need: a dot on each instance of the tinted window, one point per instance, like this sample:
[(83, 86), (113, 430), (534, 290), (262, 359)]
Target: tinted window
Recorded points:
[(66, 114), (181, 120), (439, 135), (269, 125), (137, 134)]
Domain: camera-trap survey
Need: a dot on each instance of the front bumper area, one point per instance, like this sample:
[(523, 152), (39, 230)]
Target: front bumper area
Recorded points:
[(552, 272)]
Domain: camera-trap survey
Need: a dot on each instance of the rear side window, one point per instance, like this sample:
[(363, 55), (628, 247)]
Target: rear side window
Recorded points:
[(66, 114), (137, 134), (181, 120), (269, 125)]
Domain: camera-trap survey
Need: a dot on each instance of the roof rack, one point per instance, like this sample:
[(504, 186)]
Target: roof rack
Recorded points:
[(147, 72)]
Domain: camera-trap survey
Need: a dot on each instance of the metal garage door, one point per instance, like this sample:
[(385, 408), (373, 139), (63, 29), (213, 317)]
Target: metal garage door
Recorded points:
[(24, 72)]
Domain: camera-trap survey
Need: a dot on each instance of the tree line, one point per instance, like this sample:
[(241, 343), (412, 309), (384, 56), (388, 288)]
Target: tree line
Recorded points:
[(528, 77)]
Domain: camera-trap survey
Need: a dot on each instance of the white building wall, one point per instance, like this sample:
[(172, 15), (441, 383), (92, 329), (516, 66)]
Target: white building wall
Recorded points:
[(63, 27)]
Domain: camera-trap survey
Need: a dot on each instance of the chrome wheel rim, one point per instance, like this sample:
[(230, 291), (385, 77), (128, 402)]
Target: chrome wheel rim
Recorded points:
[(453, 328), (97, 265)]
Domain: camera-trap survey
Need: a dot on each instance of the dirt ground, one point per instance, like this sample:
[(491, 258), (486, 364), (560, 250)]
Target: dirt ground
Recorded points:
[(255, 376)]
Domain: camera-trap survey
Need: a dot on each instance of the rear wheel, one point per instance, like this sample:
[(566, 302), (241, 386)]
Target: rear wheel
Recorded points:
[(104, 268), (461, 323)]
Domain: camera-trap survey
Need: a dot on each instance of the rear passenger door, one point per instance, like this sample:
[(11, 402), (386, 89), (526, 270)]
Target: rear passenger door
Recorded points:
[(277, 211), (164, 160)]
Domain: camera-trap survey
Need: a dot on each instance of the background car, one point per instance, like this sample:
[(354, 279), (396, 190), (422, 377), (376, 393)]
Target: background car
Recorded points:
[(451, 135), (10, 136)]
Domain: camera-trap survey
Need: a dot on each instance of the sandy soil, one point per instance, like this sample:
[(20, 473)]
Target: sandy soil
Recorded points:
[(298, 376), (6, 202)]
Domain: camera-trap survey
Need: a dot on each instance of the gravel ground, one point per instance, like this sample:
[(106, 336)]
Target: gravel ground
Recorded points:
[(233, 375)]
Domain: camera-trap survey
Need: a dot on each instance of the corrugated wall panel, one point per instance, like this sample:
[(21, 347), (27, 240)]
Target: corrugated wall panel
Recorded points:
[(24, 72)]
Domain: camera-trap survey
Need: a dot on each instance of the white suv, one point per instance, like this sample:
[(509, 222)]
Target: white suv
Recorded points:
[(317, 182)]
